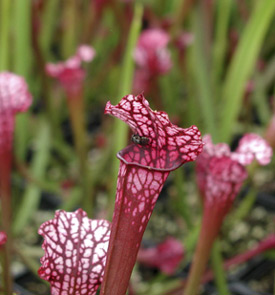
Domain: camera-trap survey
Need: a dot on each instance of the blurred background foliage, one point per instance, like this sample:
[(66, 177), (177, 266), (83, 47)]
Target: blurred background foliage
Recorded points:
[(222, 81)]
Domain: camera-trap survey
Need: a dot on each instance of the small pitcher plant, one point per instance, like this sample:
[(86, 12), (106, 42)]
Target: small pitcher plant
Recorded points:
[(71, 75), (220, 175), (14, 98)]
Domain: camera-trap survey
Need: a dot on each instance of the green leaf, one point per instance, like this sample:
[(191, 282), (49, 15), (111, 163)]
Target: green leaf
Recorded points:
[(32, 193), (243, 63)]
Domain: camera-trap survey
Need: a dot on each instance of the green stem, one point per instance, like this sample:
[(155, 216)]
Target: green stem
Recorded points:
[(39, 163), (182, 8), (217, 265), (181, 203), (188, 75), (243, 63), (190, 241), (263, 81), (77, 118), (202, 79), (245, 206), (220, 42), (48, 26), (21, 136), (75, 103), (22, 37), (5, 20), (69, 27)]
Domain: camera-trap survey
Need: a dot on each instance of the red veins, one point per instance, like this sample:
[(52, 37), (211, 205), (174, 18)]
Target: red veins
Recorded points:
[(137, 193), (223, 181), (14, 97), (166, 256), (70, 73), (169, 146), (75, 252)]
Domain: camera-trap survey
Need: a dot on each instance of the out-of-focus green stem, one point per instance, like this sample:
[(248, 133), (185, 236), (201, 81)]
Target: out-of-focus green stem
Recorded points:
[(21, 136), (5, 20), (220, 42), (263, 80), (242, 65), (217, 265), (202, 77), (181, 202), (77, 116), (193, 116), (245, 206), (48, 25), (182, 8), (22, 62), (31, 196), (127, 73), (22, 37), (75, 103), (191, 239), (69, 27)]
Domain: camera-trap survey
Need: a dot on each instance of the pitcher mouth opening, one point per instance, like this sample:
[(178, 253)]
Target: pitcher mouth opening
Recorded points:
[(148, 158)]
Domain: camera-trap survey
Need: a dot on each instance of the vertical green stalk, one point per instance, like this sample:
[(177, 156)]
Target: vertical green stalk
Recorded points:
[(202, 79), (181, 203), (217, 265), (31, 197), (243, 63), (48, 25), (5, 20), (22, 37), (182, 8), (220, 40), (245, 206), (76, 110), (21, 65), (75, 103), (127, 74), (69, 27), (188, 75), (263, 80)]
